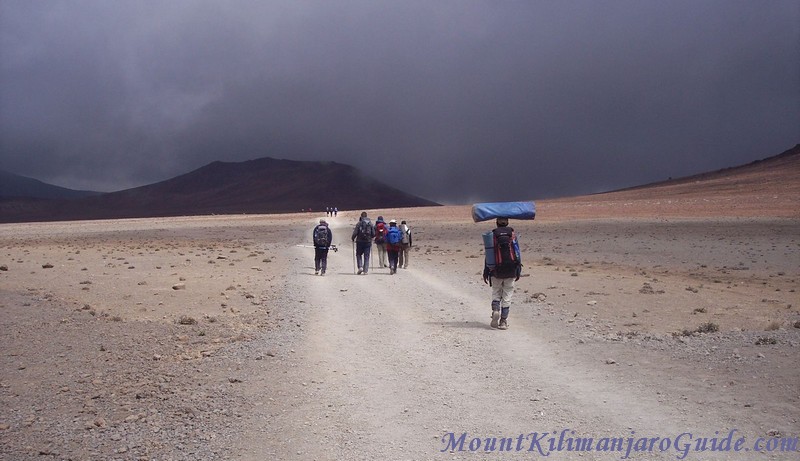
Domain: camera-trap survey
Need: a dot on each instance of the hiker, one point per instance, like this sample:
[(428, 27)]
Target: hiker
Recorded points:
[(363, 234), (405, 245), (335, 211), (380, 240), (323, 237), (506, 271), (394, 238)]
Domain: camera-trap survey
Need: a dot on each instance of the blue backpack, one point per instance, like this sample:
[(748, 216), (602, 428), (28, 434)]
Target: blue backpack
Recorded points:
[(394, 236)]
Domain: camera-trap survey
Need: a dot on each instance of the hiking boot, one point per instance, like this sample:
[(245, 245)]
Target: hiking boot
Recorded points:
[(495, 318), (322, 273), (503, 324), (360, 271), (316, 272)]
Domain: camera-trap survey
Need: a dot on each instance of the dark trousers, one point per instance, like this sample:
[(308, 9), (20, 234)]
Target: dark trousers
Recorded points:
[(363, 250), (393, 256), (320, 259)]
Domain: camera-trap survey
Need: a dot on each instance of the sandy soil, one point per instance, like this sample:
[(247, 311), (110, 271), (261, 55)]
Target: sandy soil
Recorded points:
[(211, 338)]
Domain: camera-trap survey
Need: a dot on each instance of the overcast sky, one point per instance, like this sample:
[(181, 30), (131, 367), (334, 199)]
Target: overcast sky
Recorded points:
[(455, 101)]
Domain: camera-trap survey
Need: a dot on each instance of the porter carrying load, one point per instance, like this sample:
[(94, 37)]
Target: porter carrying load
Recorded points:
[(511, 210)]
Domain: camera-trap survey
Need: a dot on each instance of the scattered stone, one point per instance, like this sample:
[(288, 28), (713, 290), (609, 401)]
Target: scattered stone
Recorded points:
[(179, 286), (47, 266), (3, 268), (591, 303), (610, 361)]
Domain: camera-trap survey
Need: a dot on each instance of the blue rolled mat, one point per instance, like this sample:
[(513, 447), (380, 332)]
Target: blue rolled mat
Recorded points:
[(511, 210)]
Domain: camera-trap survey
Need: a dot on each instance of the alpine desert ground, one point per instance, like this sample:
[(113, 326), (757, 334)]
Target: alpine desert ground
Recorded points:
[(665, 324)]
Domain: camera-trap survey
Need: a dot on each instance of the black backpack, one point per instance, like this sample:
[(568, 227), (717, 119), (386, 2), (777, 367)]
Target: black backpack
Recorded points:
[(506, 252), (365, 232), (321, 236)]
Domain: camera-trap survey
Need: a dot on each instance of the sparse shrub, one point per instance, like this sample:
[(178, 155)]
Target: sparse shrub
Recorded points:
[(763, 341), (186, 320), (708, 327), (700, 310), (774, 325)]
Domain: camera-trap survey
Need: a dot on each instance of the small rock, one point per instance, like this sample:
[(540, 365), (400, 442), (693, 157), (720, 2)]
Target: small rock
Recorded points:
[(47, 266), (179, 286), (591, 303), (610, 361), (3, 268)]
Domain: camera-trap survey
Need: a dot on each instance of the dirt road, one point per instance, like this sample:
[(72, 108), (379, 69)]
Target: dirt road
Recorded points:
[(210, 338), (403, 366)]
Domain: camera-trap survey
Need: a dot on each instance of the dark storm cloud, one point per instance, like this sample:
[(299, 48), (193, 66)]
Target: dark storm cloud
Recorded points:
[(453, 101)]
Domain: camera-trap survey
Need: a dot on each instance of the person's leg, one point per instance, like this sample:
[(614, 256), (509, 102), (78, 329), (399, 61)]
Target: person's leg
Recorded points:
[(360, 256), (323, 261), (317, 259), (505, 303), (367, 251), (497, 296)]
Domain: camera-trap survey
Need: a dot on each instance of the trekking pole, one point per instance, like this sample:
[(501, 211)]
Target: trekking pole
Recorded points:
[(354, 256)]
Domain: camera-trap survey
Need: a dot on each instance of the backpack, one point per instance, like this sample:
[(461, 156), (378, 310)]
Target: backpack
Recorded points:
[(394, 236), (364, 230), (406, 234), (380, 232), (321, 236), (506, 252)]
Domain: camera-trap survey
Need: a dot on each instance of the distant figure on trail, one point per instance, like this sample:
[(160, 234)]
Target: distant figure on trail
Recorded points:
[(405, 245), (363, 234), (506, 271), (323, 237), (335, 211), (394, 238), (380, 240), (327, 211)]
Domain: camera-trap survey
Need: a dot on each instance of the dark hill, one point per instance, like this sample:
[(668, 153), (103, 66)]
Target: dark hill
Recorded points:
[(257, 186), (14, 185)]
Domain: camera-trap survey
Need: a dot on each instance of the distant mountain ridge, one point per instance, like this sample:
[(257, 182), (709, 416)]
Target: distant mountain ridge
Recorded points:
[(774, 166), (14, 185), (759, 176), (264, 185)]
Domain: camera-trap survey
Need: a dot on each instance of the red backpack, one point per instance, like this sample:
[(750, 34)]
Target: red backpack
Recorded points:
[(380, 232)]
